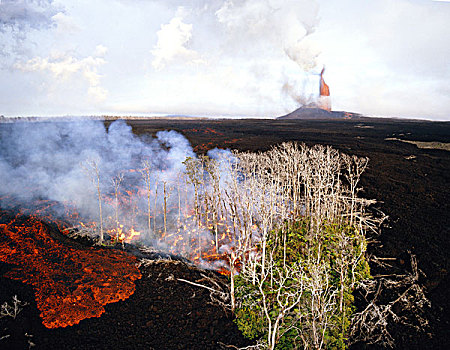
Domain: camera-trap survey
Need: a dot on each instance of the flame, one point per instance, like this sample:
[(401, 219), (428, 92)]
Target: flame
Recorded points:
[(205, 240), (120, 235), (70, 284), (132, 235)]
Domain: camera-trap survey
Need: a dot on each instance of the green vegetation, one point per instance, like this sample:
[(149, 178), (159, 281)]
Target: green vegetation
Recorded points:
[(424, 144), (308, 296), (291, 225)]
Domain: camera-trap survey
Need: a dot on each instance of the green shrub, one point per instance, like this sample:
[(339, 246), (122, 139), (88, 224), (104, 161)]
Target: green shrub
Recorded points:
[(331, 254)]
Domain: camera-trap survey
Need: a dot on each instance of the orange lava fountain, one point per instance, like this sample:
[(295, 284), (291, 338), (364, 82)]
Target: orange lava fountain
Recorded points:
[(324, 99)]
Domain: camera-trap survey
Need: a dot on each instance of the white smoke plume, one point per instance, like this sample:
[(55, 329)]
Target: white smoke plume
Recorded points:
[(45, 160), (270, 38), (143, 183)]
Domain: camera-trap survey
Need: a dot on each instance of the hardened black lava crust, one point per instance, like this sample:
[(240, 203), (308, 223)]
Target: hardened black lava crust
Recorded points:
[(411, 186)]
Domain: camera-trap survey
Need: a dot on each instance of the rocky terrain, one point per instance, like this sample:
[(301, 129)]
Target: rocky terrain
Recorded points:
[(410, 183)]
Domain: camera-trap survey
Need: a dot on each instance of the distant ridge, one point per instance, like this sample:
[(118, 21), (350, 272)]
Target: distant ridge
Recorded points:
[(315, 113)]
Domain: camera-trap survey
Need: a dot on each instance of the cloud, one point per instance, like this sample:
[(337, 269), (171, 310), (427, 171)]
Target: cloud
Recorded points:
[(20, 17), (242, 57), (19, 21), (64, 23), (19, 14), (100, 50), (172, 45), (63, 67)]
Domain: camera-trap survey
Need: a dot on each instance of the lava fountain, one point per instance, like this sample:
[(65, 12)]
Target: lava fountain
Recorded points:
[(324, 99)]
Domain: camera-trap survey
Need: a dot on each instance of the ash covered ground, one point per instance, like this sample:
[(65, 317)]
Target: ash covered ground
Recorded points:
[(410, 183)]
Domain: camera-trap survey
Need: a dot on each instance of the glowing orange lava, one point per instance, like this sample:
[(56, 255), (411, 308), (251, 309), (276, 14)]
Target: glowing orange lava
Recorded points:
[(70, 284), (324, 88), (324, 99)]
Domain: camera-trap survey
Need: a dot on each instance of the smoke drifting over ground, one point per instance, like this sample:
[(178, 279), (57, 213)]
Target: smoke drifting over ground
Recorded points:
[(52, 161), (109, 183)]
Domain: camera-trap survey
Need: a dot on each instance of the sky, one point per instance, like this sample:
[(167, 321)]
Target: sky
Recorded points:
[(247, 58)]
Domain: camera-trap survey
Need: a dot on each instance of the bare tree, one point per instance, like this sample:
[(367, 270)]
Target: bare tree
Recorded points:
[(193, 171), (265, 194), (12, 310), (355, 166), (92, 170), (166, 191), (155, 210), (116, 181), (391, 300), (145, 172)]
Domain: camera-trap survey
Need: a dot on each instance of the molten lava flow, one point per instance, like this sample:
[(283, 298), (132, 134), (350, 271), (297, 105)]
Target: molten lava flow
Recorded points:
[(232, 141), (212, 131), (324, 99), (70, 284), (204, 147), (204, 131)]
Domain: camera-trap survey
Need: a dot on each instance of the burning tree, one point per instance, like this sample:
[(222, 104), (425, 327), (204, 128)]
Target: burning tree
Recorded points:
[(116, 181), (92, 170), (145, 172), (297, 242), (286, 226)]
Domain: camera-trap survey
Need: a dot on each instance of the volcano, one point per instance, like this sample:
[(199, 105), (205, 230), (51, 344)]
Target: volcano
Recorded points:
[(313, 112), (319, 109)]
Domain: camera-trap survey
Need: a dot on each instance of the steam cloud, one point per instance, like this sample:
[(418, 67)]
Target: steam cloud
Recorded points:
[(219, 57), (284, 27)]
